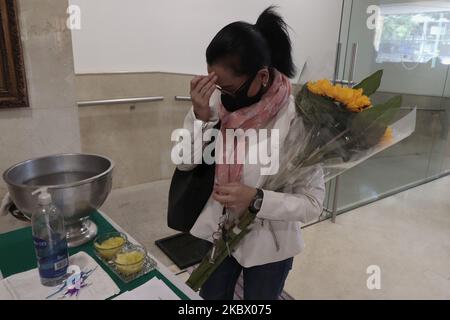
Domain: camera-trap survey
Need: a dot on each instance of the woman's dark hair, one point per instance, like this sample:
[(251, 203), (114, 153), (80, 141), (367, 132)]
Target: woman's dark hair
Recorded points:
[(247, 48)]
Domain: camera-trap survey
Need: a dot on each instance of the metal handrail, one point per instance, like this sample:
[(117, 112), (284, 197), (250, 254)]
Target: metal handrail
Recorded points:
[(183, 98), (118, 101), (344, 82), (423, 109)]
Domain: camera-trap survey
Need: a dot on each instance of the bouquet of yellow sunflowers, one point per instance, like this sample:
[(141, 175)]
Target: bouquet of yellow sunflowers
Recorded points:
[(342, 128), (336, 128), (352, 99)]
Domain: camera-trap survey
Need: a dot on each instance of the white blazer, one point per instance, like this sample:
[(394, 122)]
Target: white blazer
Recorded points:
[(276, 233)]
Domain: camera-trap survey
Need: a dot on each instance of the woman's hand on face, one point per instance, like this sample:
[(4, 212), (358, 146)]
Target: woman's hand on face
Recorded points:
[(235, 196), (202, 87)]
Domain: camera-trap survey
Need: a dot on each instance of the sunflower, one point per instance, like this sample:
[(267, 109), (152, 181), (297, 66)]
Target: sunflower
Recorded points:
[(353, 100), (387, 137)]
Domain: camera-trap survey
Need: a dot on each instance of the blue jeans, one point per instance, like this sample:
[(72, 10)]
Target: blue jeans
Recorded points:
[(265, 282)]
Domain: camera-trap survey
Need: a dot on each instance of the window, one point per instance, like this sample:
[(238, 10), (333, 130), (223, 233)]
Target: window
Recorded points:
[(414, 33)]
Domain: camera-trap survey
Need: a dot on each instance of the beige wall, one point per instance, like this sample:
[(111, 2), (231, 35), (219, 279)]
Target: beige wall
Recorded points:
[(136, 137), (137, 140), (51, 124)]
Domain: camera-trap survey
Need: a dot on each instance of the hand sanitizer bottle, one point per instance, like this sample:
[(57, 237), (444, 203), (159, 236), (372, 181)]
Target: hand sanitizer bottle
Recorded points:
[(49, 239)]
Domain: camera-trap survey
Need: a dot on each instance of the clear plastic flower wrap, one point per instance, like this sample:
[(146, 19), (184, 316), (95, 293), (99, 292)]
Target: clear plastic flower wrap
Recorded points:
[(335, 129)]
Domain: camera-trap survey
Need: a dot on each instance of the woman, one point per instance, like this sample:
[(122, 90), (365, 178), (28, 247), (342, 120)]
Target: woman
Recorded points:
[(248, 87)]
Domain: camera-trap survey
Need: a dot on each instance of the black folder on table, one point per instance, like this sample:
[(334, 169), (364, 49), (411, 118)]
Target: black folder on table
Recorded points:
[(184, 249)]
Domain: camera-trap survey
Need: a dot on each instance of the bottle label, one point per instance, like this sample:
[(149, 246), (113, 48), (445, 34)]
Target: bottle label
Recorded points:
[(39, 243), (61, 264), (52, 259)]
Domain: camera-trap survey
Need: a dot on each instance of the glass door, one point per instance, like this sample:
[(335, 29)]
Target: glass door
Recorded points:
[(410, 41)]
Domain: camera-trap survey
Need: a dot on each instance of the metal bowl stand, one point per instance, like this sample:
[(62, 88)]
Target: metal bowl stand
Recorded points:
[(77, 233), (81, 232)]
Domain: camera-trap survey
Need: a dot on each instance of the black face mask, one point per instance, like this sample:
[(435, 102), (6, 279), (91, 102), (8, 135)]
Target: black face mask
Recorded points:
[(240, 99)]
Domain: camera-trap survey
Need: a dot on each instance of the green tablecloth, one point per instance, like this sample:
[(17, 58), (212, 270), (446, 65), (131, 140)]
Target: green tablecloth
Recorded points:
[(17, 255)]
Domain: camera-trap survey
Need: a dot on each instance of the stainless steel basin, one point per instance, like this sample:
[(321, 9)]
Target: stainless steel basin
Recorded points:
[(78, 183)]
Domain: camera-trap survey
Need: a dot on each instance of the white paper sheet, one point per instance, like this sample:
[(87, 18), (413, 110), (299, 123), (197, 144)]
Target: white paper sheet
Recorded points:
[(154, 289), (26, 285), (5, 292)]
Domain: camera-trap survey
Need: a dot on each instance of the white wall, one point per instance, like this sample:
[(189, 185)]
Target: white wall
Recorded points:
[(172, 35)]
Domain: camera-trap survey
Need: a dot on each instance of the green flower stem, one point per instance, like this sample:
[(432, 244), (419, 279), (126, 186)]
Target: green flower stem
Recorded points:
[(205, 269)]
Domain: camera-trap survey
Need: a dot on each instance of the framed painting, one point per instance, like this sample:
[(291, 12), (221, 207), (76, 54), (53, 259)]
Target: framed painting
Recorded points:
[(13, 88)]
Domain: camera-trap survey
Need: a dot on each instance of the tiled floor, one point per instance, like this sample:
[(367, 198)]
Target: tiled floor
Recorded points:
[(406, 235)]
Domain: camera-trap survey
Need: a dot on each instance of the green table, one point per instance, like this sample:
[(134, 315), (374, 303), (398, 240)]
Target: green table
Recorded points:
[(17, 255)]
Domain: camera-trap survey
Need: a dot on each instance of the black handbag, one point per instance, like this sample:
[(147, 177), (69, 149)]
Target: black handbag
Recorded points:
[(188, 194)]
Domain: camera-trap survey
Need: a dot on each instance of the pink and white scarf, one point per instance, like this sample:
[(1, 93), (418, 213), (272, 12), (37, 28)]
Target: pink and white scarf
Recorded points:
[(255, 116)]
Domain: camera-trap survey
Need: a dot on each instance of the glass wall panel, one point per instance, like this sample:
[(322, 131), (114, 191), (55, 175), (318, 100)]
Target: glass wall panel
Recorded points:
[(410, 41)]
